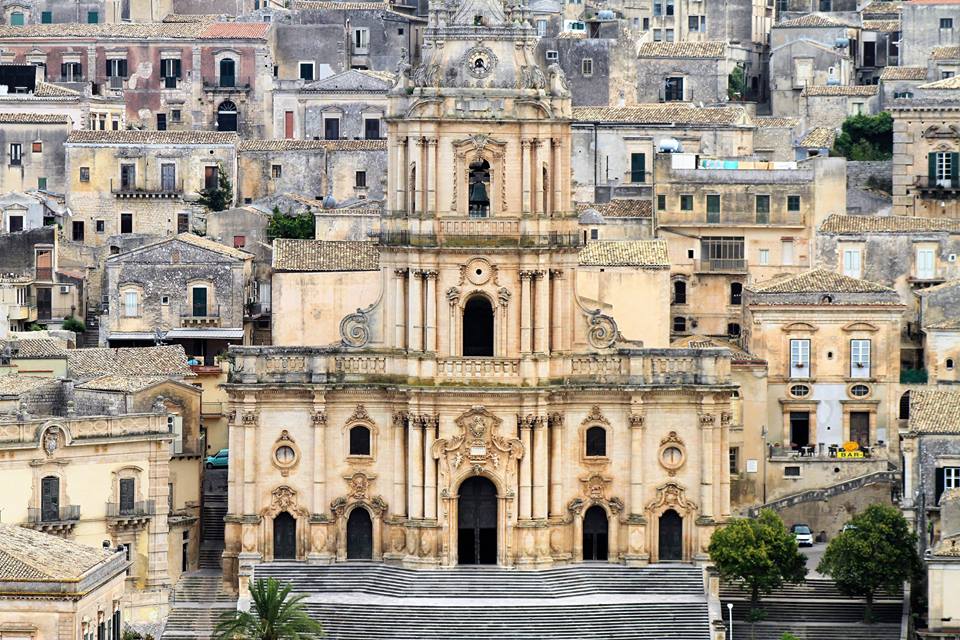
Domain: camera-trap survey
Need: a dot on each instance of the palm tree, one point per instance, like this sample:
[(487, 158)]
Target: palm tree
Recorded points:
[(276, 616)]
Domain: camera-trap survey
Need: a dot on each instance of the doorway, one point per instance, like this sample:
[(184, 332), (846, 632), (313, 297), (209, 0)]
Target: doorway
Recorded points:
[(227, 116), (359, 535), (477, 522), (478, 327), (799, 429), (50, 499), (595, 534), (860, 428), (671, 536), (284, 537)]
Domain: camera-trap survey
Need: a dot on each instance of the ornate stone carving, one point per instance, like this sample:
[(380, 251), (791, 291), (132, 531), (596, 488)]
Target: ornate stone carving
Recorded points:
[(637, 419), (359, 484), (725, 418), (503, 296), (594, 487), (250, 417), (531, 77), (318, 417), (671, 438), (478, 448), (555, 419), (360, 415), (355, 329), (595, 416), (453, 296), (603, 332), (284, 498), (427, 74), (707, 419), (575, 506), (671, 495), (479, 61), (51, 440)]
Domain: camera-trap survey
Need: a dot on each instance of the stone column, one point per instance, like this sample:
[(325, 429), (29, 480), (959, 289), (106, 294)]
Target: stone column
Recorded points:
[(400, 302), (430, 280), (400, 197), (432, 168), (525, 173), (235, 479), (525, 511), (452, 329), (414, 470), (542, 314), (636, 464), (556, 465), (525, 299), (555, 171), (430, 467), (419, 185), (540, 469), (536, 178), (319, 419), (556, 323), (415, 313), (249, 418), (724, 456), (399, 506), (706, 464)]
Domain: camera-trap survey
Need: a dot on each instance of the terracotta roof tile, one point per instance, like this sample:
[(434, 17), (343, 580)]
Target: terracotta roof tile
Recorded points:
[(33, 118), (819, 281), (882, 26), (136, 136), (771, 122), (211, 245), (621, 208), (904, 73), (838, 223), (28, 555), (952, 82), (664, 114), (34, 348), (121, 30), (50, 90), (15, 384), (257, 144), (877, 9), (945, 53), (167, 360), (841, 90), (948, 547), (625, 253), (818, 138), (811, 20), (111, 382), (325, 255), (235, 30), (739, 354), (331, 5), (934, 411), (715, 49)]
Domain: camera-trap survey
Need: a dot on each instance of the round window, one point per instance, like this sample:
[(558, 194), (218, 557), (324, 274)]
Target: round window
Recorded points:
[(672, 456), (799, 391), (859, 391), (285, 454)]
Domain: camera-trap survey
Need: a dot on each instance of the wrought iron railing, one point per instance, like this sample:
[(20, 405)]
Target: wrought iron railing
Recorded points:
[(41, 515)]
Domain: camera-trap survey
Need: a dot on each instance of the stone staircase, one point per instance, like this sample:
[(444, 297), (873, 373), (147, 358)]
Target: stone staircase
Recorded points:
[(814, 610), (91, 336), (889, 476), (211, 542), (197, 603), (366, 601)]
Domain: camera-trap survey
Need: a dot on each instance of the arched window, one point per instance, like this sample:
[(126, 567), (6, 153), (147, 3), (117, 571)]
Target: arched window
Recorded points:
[(479, 192), (679, 324), (736, 293), (949, 364), (227, 116), (904, 413), (478, 327), (596, 441), (359, 441), (733, 329), (228, 72), (679, 292)]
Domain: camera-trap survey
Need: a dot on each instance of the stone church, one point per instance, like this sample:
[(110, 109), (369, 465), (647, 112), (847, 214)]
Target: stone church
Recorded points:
[(479, 386)]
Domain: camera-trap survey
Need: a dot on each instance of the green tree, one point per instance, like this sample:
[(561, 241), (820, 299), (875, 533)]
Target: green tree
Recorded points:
[(877, 552), (286, 225), (760, 552), (865, 138), (736, 84), (276, 616), (75, 324), (220, 197)]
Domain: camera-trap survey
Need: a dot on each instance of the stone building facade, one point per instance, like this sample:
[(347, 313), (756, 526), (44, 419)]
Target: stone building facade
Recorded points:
[(926, 169), (33, 151), (367, 443)]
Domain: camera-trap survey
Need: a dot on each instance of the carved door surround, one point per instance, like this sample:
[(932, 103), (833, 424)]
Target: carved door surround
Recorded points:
[(594, 491), (359, 496), (472, 149), (671, 495), (283, 498), (479, 276)]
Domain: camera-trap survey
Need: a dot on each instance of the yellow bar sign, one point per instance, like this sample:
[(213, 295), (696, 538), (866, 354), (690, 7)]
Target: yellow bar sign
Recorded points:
[(849, 454)]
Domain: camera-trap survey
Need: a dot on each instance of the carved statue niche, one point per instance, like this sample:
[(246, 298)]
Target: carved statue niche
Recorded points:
[(478, 448)]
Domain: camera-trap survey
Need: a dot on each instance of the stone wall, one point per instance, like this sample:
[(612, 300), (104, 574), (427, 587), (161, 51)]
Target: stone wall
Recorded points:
[(869, 187), (829, 516)]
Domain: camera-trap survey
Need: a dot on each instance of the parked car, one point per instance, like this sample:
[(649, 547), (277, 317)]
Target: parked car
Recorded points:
[(803, 534), (218, 460), (849, 527)]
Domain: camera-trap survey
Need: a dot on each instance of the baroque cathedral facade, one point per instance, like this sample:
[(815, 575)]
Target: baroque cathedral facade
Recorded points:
[(476, 408)]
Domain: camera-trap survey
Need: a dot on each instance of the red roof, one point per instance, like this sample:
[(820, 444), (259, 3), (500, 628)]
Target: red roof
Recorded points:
[(228, 30)]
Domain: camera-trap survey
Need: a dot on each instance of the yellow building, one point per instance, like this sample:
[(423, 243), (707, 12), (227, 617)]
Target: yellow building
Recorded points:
[(926, 169)]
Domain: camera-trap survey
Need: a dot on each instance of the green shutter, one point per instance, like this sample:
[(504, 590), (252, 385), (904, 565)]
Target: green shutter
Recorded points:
[(954, 170), (638, 167), (932, 168)]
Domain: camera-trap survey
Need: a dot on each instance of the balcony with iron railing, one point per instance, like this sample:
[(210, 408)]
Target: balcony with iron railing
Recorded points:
[(401, 229), (115, 83), (200, 316), (942, 188), (228, 84), (163, 188), (130, 513), (721, 265), (51, 519)]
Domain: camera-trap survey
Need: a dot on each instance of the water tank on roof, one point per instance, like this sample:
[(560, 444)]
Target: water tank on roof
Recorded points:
[(841, 43), (669, 145), (606, 14)]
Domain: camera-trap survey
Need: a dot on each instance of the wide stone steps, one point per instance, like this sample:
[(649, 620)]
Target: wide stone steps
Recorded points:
[(195, 623), (812, 588), (816, 612), (468, 582), (210, 556), (824, 631), (361, 621), (212, 520), (197, 604)]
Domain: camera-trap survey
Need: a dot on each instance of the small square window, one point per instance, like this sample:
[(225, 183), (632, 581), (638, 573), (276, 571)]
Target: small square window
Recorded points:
[(361, 179), (175, 115), (100, 226), (586, 66), (239, 242), (400, 31), (276, 170), (793, 203), (306, 71), (42, 184), (764, 256), (46, 17), (686, 202), (164, 300), (37, 147), (594, 234), (661, 202), (791, 472), (93, 17), (84, 174), (946, 23)]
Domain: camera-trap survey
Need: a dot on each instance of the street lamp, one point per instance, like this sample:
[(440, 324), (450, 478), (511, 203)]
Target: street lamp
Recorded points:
[(730, 631)]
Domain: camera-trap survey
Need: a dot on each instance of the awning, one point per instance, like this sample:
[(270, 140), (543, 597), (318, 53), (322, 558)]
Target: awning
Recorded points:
[(132, 335), (211, 333)]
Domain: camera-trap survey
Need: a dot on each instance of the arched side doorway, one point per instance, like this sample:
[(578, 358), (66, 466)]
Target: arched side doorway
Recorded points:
[(477, 522), (359, 535), (227, 116), (595, 534), (671, 536), (478, 327), (284, 537)]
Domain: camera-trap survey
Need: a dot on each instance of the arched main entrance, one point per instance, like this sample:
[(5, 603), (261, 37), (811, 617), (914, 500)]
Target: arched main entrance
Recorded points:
[(284, 537), (359, 535), (671, 536), (477, 522), (227, 116), (595, 534), (478, 327)]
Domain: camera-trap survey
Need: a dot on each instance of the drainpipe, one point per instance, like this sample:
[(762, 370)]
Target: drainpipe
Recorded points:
[(596, 159)]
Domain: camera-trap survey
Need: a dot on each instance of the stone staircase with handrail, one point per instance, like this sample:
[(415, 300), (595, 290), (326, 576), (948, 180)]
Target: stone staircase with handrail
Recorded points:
[(890, 476)]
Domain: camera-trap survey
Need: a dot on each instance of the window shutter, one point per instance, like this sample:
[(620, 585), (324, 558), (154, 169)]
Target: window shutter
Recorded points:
[(63, 70), (939, 484), (954, 170), (638, 165), (176, 68), (932, 167)]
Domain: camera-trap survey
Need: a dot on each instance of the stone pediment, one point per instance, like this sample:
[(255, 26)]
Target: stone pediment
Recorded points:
[(352, 80), (478, 448)]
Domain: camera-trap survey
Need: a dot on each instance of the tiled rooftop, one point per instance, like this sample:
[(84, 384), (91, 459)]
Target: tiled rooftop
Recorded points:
[(838, 223), (212, 245), (934, 411), (622, 208), (167, 360), (27, 555), (50, 90), (192, 30), (136, 136), (715, 49), (904, 73), (33, 118), (882, 26), (625, 253), (811, 20), (325, 255), (945, 53), (947, 83), (35, 348), (840, 90), (771, 122), (235, 31), (739, 354), (818, 138), (15, 384), (877, 9), (668, 114), (819, 281), (111, 382), (255, 144)]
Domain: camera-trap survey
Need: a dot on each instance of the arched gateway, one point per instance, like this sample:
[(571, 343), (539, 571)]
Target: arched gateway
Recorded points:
[(477, 522)]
